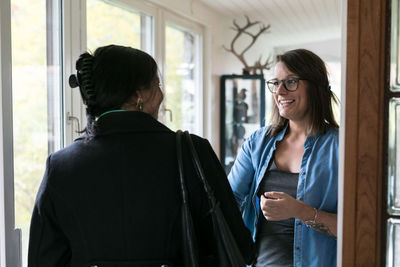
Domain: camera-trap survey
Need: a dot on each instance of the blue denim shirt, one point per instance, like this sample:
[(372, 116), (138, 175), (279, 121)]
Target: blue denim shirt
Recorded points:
[(317, 187)]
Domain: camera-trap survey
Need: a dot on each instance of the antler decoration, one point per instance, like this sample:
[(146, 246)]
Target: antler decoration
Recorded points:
[(244, 30)]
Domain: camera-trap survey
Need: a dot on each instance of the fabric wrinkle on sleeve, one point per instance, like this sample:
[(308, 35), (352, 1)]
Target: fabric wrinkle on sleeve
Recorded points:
[(48, 245), (242, 172)]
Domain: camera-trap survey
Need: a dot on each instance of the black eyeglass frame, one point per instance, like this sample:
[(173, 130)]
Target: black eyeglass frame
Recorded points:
[(269, 82)]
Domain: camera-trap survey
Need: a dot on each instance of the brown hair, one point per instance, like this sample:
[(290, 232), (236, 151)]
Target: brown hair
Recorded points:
[(310, 67)]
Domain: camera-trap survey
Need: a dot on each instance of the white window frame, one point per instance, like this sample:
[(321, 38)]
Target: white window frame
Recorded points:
[(10, 238), (74, 44), (185, 24)]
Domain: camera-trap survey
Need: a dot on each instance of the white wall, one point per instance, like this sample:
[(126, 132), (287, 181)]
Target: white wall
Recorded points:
[(328, 50)]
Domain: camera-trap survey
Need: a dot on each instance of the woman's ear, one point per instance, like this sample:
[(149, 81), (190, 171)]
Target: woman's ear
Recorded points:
[(139, 94), (139, 100)]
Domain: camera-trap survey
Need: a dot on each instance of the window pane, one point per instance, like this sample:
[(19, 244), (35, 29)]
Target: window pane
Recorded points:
[(393, 243), (395, 48), (36, 99), (394, 156), (334, 70), (182, 88), (108, 23)]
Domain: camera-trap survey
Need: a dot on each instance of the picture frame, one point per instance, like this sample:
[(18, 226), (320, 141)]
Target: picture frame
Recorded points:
[(242, 113)]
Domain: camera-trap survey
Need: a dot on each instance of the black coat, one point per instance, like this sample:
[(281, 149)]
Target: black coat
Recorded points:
[(116, 199)]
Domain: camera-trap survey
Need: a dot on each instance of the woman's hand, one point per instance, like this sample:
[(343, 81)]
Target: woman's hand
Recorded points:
[(277, 206)]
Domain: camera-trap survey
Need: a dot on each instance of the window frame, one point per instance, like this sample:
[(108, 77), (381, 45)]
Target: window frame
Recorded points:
[(10, 237), (184, 24), (74, 43), (361, 184)]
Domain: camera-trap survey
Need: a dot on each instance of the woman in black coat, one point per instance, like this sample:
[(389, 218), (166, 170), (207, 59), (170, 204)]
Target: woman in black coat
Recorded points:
[(113, 198)]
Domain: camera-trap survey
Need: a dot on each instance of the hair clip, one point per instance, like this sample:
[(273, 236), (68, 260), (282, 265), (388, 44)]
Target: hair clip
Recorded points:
[(73, 81)]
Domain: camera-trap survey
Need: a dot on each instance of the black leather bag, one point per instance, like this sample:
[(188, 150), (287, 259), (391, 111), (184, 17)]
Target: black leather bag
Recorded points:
[(229, 254)]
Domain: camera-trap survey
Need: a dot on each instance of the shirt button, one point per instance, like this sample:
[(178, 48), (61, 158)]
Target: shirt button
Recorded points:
[(297, 248), (303, 173), (298, 223)]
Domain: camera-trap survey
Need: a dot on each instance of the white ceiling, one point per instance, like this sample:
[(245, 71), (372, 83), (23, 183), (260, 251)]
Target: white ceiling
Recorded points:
[(292, 21)]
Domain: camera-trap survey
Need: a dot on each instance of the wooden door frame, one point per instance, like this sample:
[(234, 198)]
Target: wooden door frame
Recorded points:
[(366, 78)]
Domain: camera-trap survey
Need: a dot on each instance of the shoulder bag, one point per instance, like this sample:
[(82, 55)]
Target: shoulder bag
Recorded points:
[(228, 252)]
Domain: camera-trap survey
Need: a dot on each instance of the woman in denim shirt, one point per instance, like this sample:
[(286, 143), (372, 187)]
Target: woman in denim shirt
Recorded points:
[(285, 175)]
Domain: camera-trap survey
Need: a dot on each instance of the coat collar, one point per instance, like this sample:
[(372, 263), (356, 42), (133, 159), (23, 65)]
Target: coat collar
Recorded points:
[(128, 121)]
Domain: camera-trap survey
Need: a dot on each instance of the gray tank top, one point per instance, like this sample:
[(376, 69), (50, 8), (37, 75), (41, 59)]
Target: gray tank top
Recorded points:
[(274, 239)]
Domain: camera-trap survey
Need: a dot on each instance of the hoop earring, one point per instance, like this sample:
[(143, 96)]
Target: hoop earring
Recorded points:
[(139, 104)]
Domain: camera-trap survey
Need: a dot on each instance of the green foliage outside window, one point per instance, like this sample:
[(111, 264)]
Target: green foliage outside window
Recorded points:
[(28, 25), (109, 24), (174, 81)]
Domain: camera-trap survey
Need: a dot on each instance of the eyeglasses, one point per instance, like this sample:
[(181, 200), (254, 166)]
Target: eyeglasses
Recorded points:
[(290, 84)]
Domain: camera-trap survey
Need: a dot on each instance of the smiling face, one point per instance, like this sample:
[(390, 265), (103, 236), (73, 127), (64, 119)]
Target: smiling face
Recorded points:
[(291, 105)]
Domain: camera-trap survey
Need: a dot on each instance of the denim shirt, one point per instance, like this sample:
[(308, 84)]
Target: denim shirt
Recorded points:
[(317, 187)]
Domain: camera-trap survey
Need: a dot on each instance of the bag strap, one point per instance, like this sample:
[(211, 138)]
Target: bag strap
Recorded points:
[(190, 251), (226, 241), (179, 134), (200, 172)]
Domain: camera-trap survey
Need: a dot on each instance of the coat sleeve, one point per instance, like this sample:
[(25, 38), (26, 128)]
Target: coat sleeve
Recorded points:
[(48, 246), (218, 181)]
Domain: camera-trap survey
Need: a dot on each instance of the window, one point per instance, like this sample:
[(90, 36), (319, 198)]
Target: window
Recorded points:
[(393, 251), (46, 38), (393, 205), (110, 23), (182, 79), (334, 71), (116, 22), (394, 157), (37, 100)]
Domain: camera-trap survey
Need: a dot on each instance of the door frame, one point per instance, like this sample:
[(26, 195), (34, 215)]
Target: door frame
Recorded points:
[(361, 183)]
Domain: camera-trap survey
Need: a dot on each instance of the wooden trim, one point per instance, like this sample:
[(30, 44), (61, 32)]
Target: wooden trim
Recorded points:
[(364, 109)]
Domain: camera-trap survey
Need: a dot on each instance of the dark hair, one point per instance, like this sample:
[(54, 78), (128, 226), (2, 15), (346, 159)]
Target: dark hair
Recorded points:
[(310, 67), (110, 77)]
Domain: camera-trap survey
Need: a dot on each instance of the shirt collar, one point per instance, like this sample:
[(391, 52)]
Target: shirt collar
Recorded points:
[(309, 140), (280, 135)]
